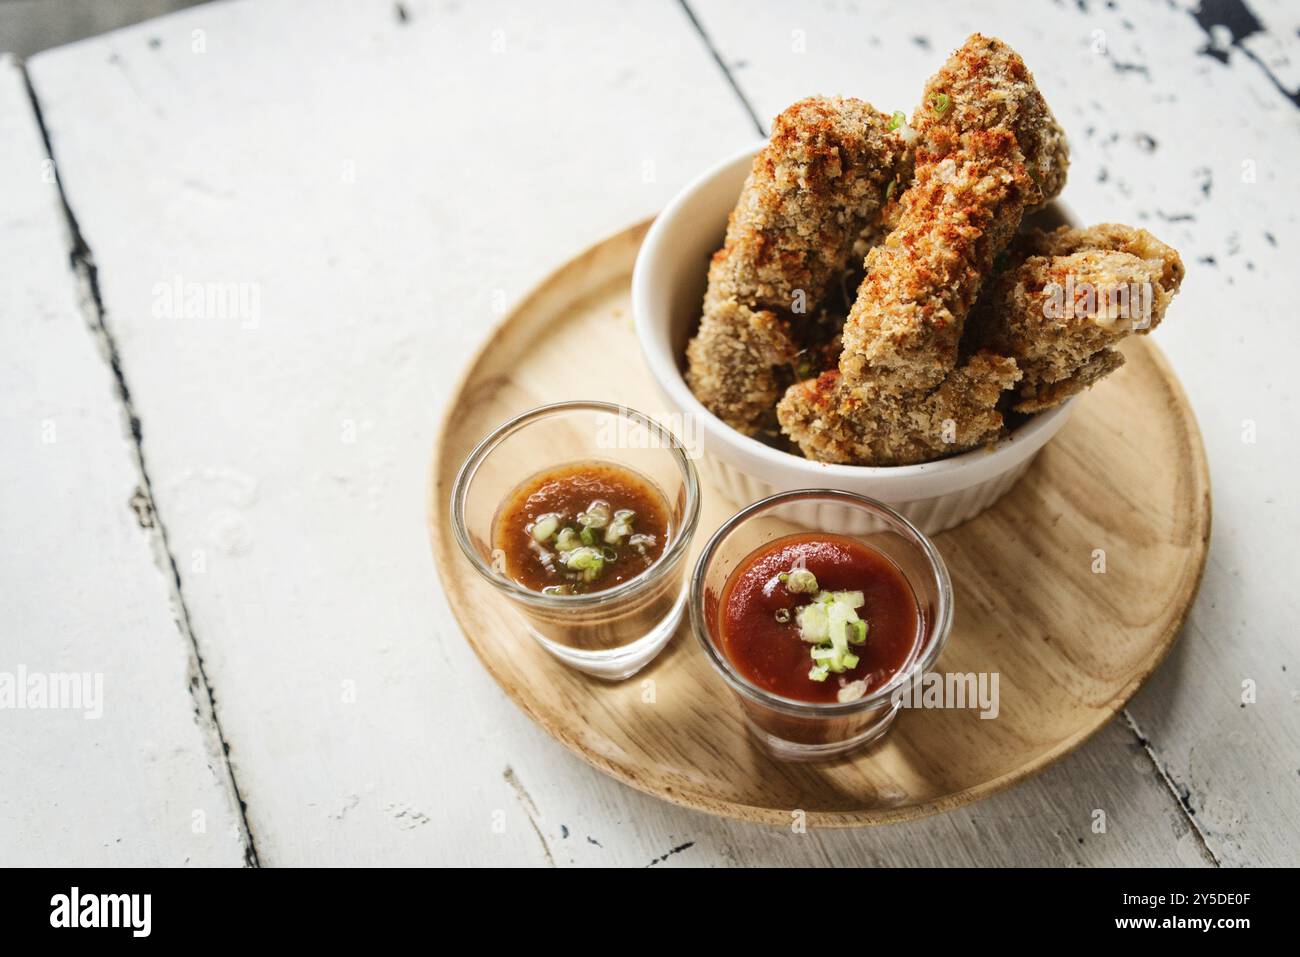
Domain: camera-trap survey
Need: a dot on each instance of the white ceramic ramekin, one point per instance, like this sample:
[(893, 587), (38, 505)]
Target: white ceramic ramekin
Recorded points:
[(667, 288)]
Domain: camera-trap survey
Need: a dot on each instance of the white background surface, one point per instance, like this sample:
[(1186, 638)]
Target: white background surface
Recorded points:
[(383, 181)]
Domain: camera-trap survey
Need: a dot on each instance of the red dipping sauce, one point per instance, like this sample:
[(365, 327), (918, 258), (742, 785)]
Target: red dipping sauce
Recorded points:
[(769, 652)]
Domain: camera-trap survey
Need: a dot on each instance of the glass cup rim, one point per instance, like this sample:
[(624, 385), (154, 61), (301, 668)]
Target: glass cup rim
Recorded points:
[(671, 556), (922, 660)]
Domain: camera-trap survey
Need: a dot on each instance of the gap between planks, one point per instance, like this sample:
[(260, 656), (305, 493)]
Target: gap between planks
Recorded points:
[(1179, 794), (722, 65), (82, 263)]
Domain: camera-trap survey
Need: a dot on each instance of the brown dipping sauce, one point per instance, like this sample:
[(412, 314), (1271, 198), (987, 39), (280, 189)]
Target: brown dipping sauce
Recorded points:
[(770, 653), (568, 493)]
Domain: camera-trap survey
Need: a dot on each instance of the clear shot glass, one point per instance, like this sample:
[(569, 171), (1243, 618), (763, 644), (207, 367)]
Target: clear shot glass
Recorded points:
[(787, 728), (611, 634)]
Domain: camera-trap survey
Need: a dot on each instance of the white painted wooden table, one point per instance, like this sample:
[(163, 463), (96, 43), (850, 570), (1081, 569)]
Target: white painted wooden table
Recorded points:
[(374, 183)]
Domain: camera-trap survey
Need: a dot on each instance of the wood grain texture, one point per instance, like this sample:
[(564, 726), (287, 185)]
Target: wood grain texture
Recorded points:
[(137, 779), (1187, 126), (1126, 477)]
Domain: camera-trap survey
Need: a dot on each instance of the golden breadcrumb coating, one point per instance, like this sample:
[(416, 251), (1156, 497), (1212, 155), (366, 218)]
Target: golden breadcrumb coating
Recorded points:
[(1113, 236), (819, 181), (833, 423), (986, 85), (937, 344), (1060, 314), (1052, 394), (738, 364), (963, 207), (811, 195), (987, 146)]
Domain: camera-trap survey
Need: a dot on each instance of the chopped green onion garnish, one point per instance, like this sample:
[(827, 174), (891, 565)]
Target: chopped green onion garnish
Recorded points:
[(596, 515), (586, 536), (583, 557), (830, 623), (818, 673), (858, 632), (814, 626), (621, 527), (567, 540), (801, 580), (557, 590), (545, 526), (940, 102), (833, 659), (641, 542), (782, 615), (851, 691), (898, 119), (837, 617), (586, 560), (608, 553)]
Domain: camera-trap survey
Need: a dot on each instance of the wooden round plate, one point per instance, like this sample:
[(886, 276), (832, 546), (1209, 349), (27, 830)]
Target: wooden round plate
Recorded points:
[(1125, 483)]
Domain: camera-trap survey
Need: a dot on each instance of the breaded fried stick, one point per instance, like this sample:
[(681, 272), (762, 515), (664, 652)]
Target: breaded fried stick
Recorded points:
[(982, 128), (988, 147), (1104, 236), (963, 207), (811, 192), (832, 424), (738, 364), (1060, 314), (985, 85)]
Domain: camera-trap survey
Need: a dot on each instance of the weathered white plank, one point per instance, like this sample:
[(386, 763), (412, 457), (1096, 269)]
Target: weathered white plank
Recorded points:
[(128, 777), (383, 188), (1200, 151), (1046, 822)]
